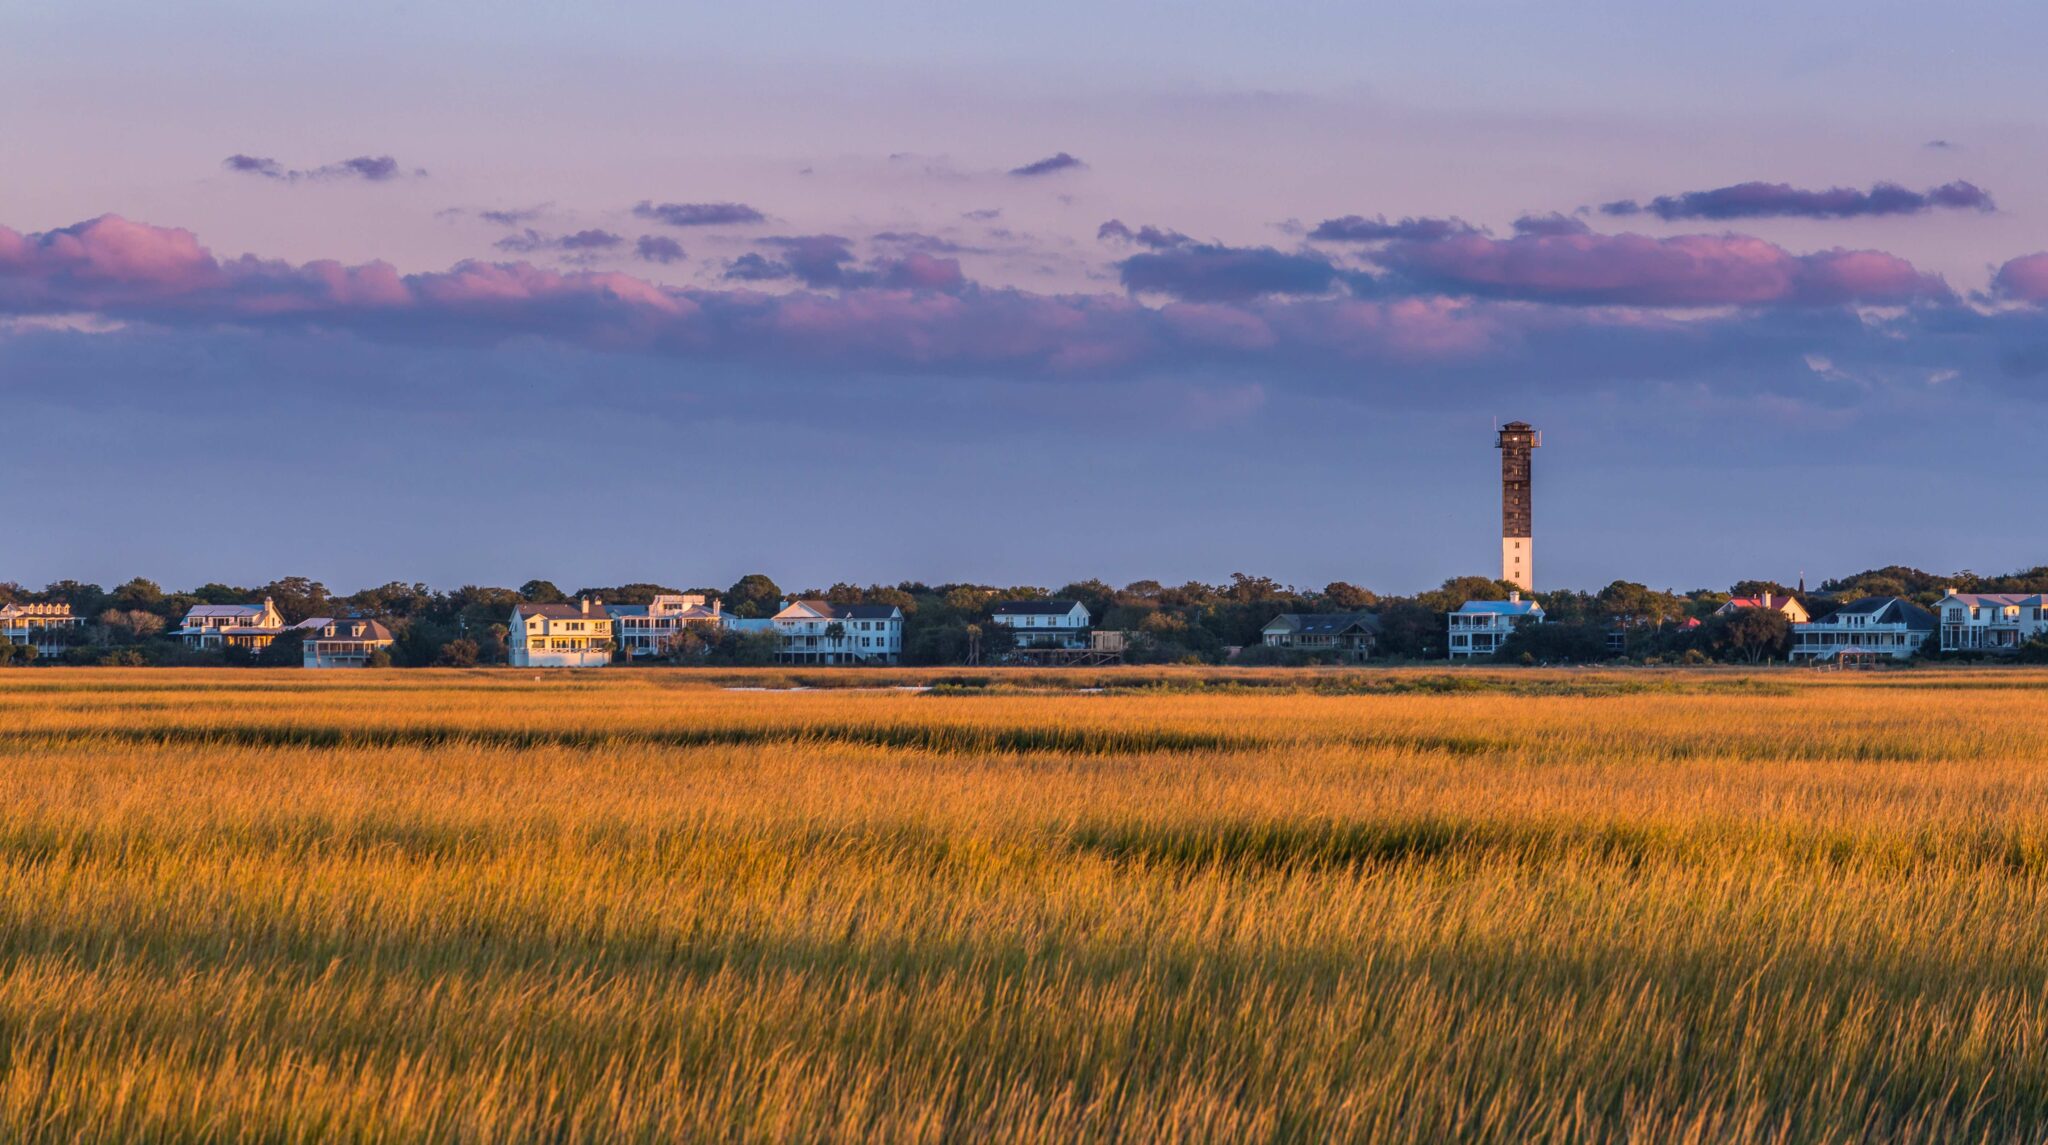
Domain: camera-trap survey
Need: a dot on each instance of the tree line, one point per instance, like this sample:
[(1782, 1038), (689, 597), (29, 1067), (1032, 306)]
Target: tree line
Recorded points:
[(1193, 622)]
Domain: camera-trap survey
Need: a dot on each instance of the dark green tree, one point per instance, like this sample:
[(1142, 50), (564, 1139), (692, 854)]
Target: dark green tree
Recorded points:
[(541, 592), (753, 597)]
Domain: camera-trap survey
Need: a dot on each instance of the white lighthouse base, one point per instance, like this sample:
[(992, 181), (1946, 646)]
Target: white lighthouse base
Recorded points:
[(1518, 562)]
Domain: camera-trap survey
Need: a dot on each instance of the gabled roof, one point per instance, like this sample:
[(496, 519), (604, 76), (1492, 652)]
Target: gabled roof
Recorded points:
[(1777, 601), (561, 611), (1995, 599), (693, 612), (47, 611), (226, 610), (1035, 607), (1888, 610), (825, 610), (372, 630), (1323, 623)]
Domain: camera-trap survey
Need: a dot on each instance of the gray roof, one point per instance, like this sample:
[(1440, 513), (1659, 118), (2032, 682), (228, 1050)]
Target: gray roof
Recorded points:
[(626, 609), (831, 611), (1325, 623), (863, 611), (226, 610), (1035, 607), (372, 630), (2001, 599), (1888, 610), (561, 611)]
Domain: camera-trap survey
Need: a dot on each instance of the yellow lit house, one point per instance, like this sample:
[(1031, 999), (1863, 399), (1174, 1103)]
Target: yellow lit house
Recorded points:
[(560, 635), (250, 626), (42, 626)]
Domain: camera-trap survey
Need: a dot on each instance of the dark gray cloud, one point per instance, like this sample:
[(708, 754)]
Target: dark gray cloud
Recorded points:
[(659, 248), (1215, 273), (984, 215), (590, 240), (697, 214), (517, 217), (823, 262), (1051, 165), (1782, 200), (1359, 229), (1551, 224), (585, 242), (1642, 271), (1156, 238), (755, 267), (919, 241), (368, 168)]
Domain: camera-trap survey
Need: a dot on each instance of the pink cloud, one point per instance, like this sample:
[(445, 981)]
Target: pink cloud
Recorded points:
[(919, 313), (2023, 279), (924, 272), (1639, 270)]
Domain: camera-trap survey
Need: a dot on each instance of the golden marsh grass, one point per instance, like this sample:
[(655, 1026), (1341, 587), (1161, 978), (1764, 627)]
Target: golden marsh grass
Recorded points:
[(635, 905)]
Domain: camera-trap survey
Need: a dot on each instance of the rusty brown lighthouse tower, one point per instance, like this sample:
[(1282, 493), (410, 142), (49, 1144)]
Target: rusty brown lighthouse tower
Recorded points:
[(1516, 440)]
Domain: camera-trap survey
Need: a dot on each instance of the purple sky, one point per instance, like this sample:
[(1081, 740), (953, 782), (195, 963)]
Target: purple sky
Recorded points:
[(947, 292)]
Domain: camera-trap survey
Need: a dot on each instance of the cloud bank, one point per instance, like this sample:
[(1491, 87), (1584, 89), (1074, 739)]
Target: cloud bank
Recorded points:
[(1358, 229), (697, 214), (1462, 312), (1782, 200), (367, 168), (1050, 165)]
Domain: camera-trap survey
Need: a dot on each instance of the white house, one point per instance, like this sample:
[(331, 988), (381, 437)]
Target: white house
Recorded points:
[(1349, 636), (1990, 621), (42, 626), (1480, 627), (1045, 623), (560, 635), (342, 643), (1874, 628), (817, 632), (248, 626), (651, 629)]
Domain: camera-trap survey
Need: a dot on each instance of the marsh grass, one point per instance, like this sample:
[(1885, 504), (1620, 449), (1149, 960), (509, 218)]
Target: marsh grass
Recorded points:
[(481, 906)]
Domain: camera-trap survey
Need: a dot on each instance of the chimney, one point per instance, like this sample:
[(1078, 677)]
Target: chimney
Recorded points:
[(718, 606), (1767, 598), (1515, 597), (585, 601)]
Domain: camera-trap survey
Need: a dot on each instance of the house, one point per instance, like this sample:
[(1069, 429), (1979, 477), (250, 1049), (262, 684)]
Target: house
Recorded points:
[(1874, 628), (45, 627), (1990, 621), (1349, 636), (1480, 627), (651, 629), (819, 632), (560, 635), (342, 643), (1045, 623), (1770, 601), (247, 626)]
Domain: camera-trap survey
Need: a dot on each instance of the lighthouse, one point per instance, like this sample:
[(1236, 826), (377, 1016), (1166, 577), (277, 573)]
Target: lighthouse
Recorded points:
[(1516, 440)]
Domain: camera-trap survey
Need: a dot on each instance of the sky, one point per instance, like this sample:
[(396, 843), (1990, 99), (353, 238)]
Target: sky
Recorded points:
[(616, 292)]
